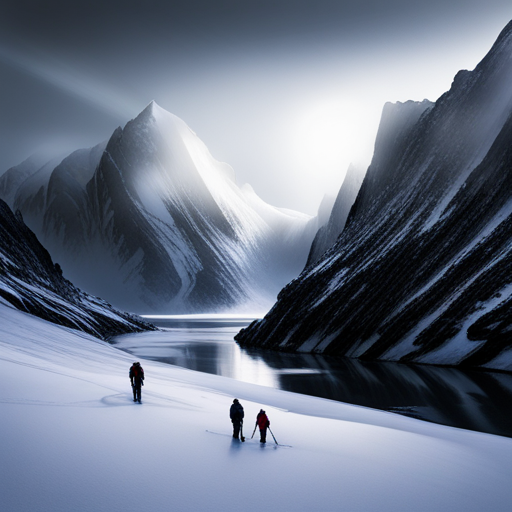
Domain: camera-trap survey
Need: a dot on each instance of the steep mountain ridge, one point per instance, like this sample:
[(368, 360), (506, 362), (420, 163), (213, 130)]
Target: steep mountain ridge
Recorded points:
[(31, 282), (153, 223), (327, 234), (422, 270)]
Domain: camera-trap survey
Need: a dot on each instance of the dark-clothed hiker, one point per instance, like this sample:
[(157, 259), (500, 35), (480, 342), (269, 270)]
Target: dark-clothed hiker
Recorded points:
[(263, 423), (137, 380), (236, 413)]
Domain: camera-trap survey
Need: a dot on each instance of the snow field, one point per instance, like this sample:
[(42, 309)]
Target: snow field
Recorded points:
[(73, 440)]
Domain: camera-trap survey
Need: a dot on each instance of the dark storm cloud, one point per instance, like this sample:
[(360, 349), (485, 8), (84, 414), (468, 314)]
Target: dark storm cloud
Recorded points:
[(233, 70), (89, 25)]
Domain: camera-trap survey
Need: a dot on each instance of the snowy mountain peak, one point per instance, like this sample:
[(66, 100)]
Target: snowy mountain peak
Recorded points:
[(153, 223), (154, 113), (151, 109)]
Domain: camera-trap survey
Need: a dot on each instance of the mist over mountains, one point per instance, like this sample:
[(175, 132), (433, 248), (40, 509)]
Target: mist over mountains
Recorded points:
[(422, 271), (153, 224)]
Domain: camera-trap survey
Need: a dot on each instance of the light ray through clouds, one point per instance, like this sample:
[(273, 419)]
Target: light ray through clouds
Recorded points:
[(288, 93), (71, 81)]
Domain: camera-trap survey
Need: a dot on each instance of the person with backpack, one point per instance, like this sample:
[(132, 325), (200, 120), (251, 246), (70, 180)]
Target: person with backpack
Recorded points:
[(137, 380), (236, 413), (263, 423)]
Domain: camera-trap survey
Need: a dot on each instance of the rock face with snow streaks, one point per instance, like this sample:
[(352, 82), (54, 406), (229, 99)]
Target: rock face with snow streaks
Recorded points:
[(152, 223), (423, 269), (31, 282), (327, 234)]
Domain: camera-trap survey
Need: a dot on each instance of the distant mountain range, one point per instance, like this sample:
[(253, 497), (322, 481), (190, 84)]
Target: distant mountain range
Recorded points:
[(152, 223), (422, 271)]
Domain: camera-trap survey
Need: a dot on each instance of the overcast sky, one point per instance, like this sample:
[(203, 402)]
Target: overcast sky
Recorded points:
[(288, 92)]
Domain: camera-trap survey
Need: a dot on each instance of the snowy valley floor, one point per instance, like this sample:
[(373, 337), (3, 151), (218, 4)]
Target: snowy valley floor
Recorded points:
[(73, 440)]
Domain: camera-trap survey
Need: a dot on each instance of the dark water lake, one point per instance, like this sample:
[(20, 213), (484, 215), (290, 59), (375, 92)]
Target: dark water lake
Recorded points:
[(474, 400)]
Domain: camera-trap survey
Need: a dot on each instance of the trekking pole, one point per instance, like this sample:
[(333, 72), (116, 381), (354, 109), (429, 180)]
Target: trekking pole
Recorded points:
[(254, 430), (273, 436)]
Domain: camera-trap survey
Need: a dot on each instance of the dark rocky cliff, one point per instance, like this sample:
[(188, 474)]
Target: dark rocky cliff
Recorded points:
[(423, 269), (327, 235), (31, 282)]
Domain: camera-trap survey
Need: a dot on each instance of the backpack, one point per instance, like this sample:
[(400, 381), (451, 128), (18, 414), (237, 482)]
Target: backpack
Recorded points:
[(136, 372)]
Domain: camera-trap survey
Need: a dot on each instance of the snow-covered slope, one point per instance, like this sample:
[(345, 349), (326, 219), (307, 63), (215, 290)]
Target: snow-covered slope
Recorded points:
[(153, 223), (29, 281), (73, 440), (423, 269)]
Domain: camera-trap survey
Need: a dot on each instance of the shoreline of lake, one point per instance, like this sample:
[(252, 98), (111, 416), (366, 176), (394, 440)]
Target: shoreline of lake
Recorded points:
[(466, 399)]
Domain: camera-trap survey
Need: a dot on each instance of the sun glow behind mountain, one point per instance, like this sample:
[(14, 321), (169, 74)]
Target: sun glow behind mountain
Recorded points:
[(286, 93), (330, 134)]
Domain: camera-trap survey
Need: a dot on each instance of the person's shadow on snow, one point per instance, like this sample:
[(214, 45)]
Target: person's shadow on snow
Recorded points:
[(235, 446)]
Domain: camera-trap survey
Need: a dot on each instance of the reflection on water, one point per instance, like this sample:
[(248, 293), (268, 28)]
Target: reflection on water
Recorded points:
[(474, 400), (202, 344)]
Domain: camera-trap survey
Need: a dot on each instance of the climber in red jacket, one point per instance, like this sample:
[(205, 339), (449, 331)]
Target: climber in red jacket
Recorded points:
[(263, 423)]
